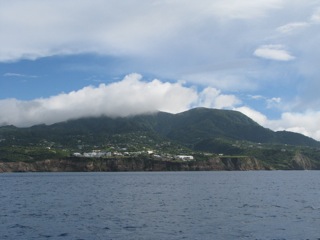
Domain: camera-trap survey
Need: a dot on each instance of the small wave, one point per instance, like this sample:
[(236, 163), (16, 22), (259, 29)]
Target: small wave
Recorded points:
[(249, 206), (312, 207), (261, 206), (63, 235), (45, 236), (129, 227), (278, 206), (20, 226)]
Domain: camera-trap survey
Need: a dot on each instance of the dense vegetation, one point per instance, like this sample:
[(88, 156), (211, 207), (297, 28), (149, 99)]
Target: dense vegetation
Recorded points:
[(197, 131)]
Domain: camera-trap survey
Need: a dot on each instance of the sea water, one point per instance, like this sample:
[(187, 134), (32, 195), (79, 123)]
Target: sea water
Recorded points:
[(160, 205)]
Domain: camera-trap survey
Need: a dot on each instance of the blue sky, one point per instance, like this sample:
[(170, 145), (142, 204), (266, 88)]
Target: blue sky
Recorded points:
[(60, 60)]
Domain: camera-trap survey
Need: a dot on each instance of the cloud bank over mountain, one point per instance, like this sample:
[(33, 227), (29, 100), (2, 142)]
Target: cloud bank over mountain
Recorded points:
[(131, 96), (211, 53)]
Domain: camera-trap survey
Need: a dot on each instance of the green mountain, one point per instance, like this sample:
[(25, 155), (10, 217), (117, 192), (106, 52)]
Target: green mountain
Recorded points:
[(193, 128), (199, 125), (200, 132)]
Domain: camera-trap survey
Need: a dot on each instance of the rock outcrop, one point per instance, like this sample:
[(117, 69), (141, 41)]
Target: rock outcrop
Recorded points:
[(131, 164), (301, 162)]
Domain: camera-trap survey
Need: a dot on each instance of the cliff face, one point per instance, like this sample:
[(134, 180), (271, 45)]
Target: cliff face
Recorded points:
[(301, 162), (298, 162), (130, 164)]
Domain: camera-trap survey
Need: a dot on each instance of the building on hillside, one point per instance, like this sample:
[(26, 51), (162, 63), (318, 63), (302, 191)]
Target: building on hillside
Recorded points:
[(185, 157)]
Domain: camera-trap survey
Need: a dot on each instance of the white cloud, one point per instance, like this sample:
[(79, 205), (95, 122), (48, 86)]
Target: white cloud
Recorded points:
[(245, 9), (302, 122), (19, 75), (127, 97), (273, 102), (207, 42), (256, 97), (305, 123), (165, 38), (212, 98), (273, 52), (33, 29), (223, 81), (130, 96), (253, 114), (315, 18), (290, 27)]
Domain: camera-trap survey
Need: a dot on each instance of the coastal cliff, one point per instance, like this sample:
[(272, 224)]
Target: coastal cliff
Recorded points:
[(131, 164), (122, 164), (301, 162)]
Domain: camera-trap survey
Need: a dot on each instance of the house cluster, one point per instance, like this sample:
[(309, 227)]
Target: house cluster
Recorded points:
[(94, 153), (185, 157), (99, 153)]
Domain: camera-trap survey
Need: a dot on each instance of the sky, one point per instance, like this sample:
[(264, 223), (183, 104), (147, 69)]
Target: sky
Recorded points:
[(62, 59)]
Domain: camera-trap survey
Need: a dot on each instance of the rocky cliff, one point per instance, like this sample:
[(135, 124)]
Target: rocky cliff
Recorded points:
[(131, 164), (298, 162), (301, 162)]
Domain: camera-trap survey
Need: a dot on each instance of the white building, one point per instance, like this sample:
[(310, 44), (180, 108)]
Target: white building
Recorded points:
[(185, 157)]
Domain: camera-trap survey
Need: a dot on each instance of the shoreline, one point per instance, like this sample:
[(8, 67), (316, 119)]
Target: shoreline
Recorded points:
[(133, 164)]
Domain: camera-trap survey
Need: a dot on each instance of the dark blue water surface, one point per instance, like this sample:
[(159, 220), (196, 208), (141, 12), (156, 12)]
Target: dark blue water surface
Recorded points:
[(161, 205)]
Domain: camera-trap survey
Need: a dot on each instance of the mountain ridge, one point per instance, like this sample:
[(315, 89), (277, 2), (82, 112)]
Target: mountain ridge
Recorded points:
[(187, 128), (196, 139)]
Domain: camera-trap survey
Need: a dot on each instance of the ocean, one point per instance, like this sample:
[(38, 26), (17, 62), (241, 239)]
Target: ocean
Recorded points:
[(160, 205)]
